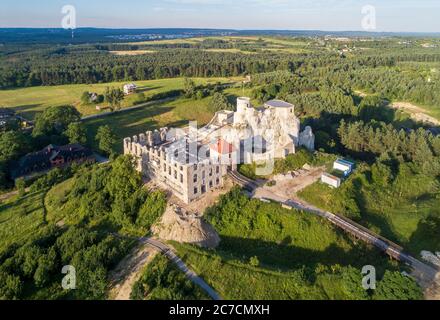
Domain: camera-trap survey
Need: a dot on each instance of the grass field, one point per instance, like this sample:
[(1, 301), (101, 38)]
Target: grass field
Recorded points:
[(394, 212), (172, 114), (29, 101), (20, 218), (131, 52), (54, 198), (133, 122)]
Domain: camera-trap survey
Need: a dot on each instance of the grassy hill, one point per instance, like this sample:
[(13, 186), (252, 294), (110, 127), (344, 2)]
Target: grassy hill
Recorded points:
[(20, 218), (29, 101), (404, 212), (267, 252), (171, 114)]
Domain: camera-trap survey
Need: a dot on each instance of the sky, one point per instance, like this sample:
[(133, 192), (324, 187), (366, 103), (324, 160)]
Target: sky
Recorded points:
[(329, 15)]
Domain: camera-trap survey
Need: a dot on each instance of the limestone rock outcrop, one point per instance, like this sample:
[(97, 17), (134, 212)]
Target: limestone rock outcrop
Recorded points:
[(307, 139), (273, 126)]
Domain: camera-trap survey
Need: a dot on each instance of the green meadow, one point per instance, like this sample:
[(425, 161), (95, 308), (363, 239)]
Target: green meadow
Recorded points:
[(267, 252), (29, 101), (175, 113)]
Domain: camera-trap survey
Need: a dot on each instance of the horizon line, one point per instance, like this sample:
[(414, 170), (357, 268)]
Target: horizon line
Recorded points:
[(223, 29)]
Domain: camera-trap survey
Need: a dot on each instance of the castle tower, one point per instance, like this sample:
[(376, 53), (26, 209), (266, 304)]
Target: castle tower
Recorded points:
[(243, 105)]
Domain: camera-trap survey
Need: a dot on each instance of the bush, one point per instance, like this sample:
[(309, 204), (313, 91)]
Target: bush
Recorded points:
[(20, 184), (293, 161), (395, 286), (254, 262)]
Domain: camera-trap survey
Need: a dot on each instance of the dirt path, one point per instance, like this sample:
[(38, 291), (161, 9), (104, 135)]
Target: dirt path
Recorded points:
[(433, 292), (129, 270), (417, 113), (6, 196)]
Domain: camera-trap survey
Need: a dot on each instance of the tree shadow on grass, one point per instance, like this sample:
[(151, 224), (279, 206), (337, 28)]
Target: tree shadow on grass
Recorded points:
[(126, 124), (370, 219), (34, 196), (130, 123), (274, 256), (427, 236), (147, 88)]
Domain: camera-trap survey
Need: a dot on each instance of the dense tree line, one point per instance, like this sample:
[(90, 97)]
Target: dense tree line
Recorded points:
[(55, 125), (71, 68), (89, 65), (377, 138)]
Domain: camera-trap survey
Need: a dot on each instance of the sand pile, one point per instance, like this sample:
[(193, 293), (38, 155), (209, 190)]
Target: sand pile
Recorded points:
[(181, 226)]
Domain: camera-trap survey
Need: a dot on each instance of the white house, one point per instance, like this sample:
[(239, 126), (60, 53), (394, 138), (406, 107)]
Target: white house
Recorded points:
[(346, 167), (331, 180)]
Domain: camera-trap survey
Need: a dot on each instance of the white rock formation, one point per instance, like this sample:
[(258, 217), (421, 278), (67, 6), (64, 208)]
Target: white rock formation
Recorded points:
[(274, 126), (181, 226)]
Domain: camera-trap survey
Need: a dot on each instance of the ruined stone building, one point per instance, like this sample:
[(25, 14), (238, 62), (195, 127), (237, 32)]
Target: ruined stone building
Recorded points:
[(190, 162)]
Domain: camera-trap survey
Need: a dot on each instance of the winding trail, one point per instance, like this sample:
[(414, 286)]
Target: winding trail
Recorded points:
[(7, 196), (191, 275)]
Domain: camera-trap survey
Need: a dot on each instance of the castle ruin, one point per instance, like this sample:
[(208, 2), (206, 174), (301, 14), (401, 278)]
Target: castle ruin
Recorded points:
[(190, 162)]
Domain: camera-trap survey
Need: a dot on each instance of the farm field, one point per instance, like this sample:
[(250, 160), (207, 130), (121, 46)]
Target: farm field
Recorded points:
[(240, 43), (131, 52), (29, 101), (229, 51), (176, 113)]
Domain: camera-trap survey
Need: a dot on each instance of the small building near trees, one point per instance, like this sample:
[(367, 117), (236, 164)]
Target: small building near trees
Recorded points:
[(331, 180), (130, 88), (51, 157)]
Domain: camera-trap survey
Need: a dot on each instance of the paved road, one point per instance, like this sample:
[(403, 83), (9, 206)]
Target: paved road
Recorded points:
[(423, 272), (169, 253), (138, 106)]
